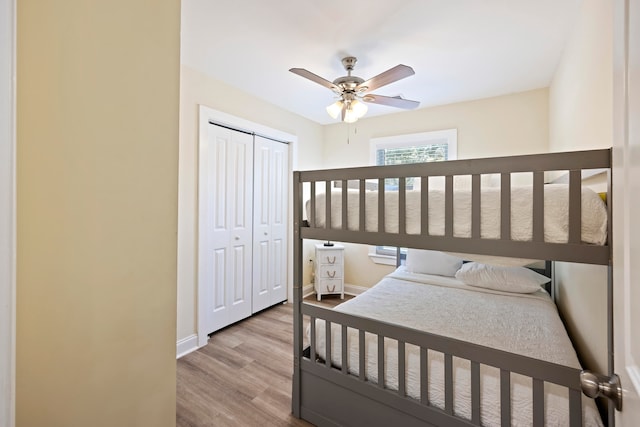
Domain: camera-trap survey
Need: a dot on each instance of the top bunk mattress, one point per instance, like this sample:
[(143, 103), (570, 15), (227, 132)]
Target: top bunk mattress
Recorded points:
[(556, 213)]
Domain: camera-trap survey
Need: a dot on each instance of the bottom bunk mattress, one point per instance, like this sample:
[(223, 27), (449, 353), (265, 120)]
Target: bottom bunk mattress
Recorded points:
[(525, 324)]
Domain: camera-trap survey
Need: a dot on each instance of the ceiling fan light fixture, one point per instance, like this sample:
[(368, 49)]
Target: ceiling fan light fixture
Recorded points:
[(335, 109), (358, 108)]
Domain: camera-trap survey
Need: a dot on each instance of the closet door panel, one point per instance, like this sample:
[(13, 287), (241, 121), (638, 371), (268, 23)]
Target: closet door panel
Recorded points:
[(279, 224), (270, 232), (262, 258), (225, 226)]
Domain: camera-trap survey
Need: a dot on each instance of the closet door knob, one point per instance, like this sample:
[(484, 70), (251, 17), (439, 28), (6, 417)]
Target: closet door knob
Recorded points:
[(265, 233), (237, 238)]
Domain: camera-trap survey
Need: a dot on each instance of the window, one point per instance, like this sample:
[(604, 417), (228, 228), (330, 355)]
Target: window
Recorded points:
[(413, 148)]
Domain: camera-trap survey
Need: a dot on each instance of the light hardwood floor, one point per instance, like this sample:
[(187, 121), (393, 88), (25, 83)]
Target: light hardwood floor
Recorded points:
[(242, 377)]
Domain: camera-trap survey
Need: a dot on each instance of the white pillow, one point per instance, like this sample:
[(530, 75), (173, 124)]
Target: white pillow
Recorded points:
[(432, 262), (507, 279), (497, 260)]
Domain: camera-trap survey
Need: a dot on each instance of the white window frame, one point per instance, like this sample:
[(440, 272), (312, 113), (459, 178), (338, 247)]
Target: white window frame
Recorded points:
[(409, 140)]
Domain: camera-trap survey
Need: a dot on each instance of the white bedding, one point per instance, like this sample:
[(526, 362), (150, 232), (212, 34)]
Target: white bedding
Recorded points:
[(526, 324), (594, 213)]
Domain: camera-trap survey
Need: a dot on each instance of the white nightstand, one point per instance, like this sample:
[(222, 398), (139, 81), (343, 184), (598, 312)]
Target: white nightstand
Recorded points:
[(329, 270)]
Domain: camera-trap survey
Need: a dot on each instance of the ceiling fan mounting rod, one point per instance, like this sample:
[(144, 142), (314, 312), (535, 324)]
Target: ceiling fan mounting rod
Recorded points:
[(349, 63)]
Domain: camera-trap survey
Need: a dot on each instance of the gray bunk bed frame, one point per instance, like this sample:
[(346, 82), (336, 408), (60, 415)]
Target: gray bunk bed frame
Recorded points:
[(328, 396)]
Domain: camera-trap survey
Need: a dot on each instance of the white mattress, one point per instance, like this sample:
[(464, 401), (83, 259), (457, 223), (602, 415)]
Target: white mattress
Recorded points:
[(594, 213), (527, 324)]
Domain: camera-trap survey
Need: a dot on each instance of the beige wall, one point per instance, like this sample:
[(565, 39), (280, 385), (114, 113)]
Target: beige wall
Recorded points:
[(198, 89), (97, 174), (580, 117), (506, 125)]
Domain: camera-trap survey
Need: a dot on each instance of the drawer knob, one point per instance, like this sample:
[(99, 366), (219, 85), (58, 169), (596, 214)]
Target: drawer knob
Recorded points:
[(331, 260), (331, 274)]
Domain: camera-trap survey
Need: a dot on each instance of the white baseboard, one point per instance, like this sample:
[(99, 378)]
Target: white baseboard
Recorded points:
[(186, 345), (348, 289), (354, 289), (307, 290)]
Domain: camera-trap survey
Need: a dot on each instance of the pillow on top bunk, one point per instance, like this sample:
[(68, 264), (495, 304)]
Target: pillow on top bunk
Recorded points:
[(507, 279), (432, 262)]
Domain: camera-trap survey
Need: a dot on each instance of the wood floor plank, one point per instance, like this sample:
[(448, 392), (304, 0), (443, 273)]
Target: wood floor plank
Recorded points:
[(242, 377)]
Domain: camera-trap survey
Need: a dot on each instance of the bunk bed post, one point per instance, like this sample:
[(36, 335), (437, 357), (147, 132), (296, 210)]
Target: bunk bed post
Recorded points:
[(297, 294), (610, 342)]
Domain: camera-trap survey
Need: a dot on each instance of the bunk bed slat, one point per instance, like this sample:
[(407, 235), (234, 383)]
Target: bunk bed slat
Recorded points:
[(424, 376), (312, 345), (538, 207), (381, 361), (505, 206), (345, 351), (327, 340), (448, 206), (475, 393), (401, 370), (402, 205), (505, 397), (475, 206), (424, 206), (327, 204), (381, 191), (345, 207), (448, 384), (538, 403), (312, 214), (575, 206), (575, 408), (361, 356), (362, 211)]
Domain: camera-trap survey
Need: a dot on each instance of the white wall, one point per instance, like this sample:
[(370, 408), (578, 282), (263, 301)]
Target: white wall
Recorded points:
[(500, 126), (198, 89), (580, 117)]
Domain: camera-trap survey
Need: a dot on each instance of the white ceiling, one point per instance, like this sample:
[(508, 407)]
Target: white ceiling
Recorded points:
[(460, 49)]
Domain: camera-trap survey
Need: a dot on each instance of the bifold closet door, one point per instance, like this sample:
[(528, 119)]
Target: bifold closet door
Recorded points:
[(271, 162), (225, 199)]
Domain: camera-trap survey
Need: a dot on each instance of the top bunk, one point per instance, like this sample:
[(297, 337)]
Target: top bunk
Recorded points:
[(529, 206)]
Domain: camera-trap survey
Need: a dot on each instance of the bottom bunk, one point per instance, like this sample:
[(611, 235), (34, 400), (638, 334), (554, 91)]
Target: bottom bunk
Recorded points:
[(484, 348)]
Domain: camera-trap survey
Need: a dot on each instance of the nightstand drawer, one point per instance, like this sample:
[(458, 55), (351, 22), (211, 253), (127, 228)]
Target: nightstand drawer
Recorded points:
[(329, 286), (330, 271), (330, 257)]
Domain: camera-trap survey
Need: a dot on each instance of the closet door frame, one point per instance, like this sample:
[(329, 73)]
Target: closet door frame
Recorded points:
[(208, 115)]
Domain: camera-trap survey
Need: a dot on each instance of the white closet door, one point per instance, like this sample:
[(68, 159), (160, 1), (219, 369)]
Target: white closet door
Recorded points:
[(270, 223), (225, 221)]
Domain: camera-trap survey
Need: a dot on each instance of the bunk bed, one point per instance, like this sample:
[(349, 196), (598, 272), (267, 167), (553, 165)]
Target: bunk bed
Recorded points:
[(361, 365)]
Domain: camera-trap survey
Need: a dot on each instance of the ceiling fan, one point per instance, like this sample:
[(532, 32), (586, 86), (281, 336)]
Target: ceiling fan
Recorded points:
[(352, 90)]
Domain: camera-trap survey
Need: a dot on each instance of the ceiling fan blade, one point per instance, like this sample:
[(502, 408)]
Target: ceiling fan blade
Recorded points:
[(391, 75), (315, 78), (391, 101)]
